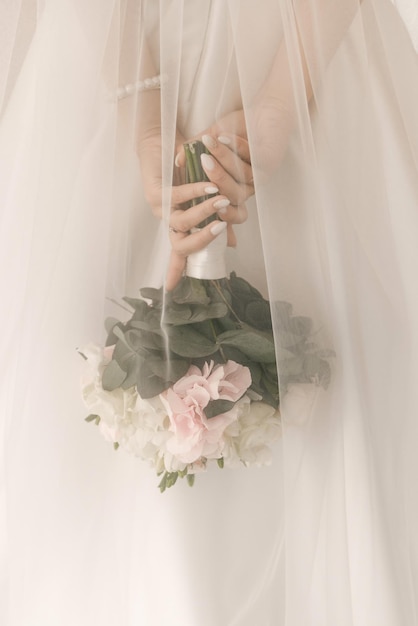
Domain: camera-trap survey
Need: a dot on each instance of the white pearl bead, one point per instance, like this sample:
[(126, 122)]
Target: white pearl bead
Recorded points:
[(141, 85)]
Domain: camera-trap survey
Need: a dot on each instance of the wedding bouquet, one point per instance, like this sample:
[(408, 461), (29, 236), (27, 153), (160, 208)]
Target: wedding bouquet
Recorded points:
[(191, 379)]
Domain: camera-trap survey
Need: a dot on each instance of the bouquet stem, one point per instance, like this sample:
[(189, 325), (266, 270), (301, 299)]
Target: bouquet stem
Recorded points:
[(209, 263)]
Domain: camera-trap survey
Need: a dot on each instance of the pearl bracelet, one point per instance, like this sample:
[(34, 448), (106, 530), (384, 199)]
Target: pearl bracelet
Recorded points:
[(147, 84)]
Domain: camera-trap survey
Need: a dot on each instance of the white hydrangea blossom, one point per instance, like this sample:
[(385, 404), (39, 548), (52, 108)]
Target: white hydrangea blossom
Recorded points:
[(143, 428)]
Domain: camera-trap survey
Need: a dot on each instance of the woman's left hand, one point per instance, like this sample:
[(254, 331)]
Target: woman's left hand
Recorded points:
[(182, 221), (228, 165)]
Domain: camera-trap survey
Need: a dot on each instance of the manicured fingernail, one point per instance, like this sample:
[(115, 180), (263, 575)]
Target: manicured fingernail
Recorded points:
[(211, 189), (177, 160), (207, 162), (209, 141), (225, 140), (218, 228), (221, 205)]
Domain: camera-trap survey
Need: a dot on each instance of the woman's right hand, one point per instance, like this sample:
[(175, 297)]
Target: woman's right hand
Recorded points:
[(228, 165), (182, 220)]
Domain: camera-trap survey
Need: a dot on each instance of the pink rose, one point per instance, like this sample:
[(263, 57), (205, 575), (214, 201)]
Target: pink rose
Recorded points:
[(195, 436)]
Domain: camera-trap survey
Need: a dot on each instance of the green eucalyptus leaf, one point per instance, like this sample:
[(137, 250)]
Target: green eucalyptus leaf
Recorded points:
[(92, 418), (150, 386), (163, 483), (186, 341), (273, 400), (172, 479), (177, 314), (257, 314), (205, 328), (234, 354), (131, 365), (226, 323), (134, 339), (292, 367), (113, 376), (149, 341), (216, 310), (121, 351), (282, 310), (171, 370), (120, 334), (253, 344), (136, 303), (149, 293), (153, 318), (272, 387), (311, 365), (139, 325), (270, 369), (317, 370), (301, 326), (190, 291), (110, 322), (242, 288), (256, 372), (324, 374), (287, 339), (217, 407)]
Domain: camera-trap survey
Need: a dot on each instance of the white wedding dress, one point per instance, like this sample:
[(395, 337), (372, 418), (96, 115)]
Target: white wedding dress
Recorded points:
[(328, 534)]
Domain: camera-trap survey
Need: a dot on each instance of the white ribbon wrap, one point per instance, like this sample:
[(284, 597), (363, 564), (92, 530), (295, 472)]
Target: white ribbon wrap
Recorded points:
[(209, 263)]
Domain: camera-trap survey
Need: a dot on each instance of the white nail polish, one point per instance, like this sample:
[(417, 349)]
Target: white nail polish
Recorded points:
[(207, 162), (221, 204), (177, 160), (209, 141), (218, 228), (225, 140), (211, 189)]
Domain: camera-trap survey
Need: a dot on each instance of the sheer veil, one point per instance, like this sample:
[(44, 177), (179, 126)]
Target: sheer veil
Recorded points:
[(329, 94)]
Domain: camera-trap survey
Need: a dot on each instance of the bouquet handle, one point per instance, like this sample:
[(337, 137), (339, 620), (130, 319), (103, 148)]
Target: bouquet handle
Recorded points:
[(208, 263)]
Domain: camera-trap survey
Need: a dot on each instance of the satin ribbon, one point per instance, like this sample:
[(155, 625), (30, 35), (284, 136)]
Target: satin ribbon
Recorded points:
[(209, 263)]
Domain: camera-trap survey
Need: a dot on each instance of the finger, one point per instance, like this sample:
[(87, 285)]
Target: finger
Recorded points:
[(231, 240), (240, 170), (184, 244), (184, 220), (231, 125), (228, 186), (237, 144), (234, 214), (191, 191), (175, 270)]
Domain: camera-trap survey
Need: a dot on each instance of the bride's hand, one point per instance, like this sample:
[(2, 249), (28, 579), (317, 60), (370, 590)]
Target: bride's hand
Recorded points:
[(182, 221), (229, 164), (149, 153)]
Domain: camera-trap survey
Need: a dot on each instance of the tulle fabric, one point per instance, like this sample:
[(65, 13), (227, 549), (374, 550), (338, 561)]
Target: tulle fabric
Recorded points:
[(328, 533)]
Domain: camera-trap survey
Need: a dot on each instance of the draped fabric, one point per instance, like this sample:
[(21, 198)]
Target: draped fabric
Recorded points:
[(329, 92)]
